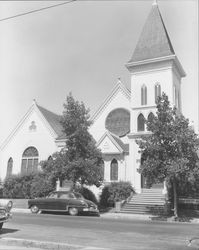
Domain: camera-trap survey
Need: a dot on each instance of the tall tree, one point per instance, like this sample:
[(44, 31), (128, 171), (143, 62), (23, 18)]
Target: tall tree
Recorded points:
[(80, 161), (169, 152)]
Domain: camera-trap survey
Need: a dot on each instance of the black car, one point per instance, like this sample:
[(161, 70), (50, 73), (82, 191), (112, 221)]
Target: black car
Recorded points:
[(5, 208), (63, 201)]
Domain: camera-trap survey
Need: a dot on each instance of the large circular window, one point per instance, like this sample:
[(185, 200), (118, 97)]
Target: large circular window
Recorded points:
[(118, 122)]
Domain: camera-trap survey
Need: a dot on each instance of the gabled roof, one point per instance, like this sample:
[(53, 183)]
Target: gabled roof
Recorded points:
[(154, 41), (118, 87), (122, 147), (54, 121), (51, 120)]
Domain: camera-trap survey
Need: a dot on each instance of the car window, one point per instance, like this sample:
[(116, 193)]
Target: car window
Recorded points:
[(52, 195), (78, 196), (66, 196)]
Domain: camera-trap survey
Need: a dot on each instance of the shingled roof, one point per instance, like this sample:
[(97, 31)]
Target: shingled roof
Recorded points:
[(125, 147), (154, 41), (54, 121)]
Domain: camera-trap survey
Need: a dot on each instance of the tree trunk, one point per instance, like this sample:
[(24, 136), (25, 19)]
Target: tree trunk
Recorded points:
[(175, 199)]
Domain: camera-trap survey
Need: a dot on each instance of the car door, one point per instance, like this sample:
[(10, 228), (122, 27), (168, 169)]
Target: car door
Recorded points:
[(63, 200), (49, 203)]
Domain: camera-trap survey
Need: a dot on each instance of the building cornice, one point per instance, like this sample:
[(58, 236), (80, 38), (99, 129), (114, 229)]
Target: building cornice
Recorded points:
[(144, 107), (132, 66), (137, 135)]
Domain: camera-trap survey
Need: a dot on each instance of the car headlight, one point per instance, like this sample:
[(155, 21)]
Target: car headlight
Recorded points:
[(6, 204), (9, 205)]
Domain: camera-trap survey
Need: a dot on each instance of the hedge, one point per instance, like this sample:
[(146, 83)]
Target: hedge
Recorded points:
[(26, 186), (115, 191)]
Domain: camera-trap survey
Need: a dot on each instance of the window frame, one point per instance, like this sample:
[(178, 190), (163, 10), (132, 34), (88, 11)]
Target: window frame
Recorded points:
[(114, 170), (140, 123), (143, 95), (29, 160)]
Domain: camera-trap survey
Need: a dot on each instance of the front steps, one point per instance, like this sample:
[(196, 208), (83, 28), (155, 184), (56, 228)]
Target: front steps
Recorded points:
[(150, 201)]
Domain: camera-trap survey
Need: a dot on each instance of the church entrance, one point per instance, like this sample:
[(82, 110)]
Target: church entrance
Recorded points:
[(145, 183)]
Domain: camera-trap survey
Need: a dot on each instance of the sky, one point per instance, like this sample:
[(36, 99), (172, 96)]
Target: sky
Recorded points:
[(82, 47)]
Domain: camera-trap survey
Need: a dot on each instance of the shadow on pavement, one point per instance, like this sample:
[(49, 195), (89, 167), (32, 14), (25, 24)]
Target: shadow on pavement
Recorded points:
[(8, 231), (67, 214)]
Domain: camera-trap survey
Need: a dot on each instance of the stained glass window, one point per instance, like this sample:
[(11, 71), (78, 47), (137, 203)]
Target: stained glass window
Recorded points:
[(118, 122), (30, 160)]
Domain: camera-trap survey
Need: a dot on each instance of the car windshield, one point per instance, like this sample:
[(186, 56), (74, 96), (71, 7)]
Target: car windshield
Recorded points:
[(78, 196), (66, 196), (52, 195)]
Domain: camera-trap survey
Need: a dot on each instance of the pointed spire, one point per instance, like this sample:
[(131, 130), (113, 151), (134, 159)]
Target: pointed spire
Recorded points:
[(154, 41)]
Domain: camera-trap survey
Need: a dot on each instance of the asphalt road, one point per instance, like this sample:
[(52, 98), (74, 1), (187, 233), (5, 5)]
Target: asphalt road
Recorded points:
[(107, 234)]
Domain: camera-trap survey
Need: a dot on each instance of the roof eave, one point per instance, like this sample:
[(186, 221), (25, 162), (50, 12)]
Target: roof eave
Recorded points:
[(130, 65)]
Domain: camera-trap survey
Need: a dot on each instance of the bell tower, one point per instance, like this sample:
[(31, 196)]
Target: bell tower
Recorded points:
[(154, 68)]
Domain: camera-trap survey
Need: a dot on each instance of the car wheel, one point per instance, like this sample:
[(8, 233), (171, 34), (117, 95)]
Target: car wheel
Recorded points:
[(34, 209), (73, 211), (1, 225)]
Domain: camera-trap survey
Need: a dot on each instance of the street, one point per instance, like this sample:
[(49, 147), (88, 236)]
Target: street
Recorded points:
[(106, 233)]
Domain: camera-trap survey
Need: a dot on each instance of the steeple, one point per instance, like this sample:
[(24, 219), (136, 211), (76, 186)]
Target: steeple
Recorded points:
[(154, 41)]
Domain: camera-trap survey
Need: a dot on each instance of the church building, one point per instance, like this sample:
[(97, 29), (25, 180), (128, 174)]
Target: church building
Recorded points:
[(154, 68)]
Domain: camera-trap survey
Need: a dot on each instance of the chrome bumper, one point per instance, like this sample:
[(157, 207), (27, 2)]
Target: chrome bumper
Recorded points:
[(5, 217), (90, 209)]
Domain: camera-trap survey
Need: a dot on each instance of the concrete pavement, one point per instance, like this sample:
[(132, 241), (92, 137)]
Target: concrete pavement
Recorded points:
[(21, 244)]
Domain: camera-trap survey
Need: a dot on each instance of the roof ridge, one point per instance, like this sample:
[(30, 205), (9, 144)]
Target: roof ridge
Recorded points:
[(40, 107), (53, 120), (109, 98)]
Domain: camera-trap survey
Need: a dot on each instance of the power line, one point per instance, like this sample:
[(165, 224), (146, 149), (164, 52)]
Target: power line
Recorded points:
[(37, 10)]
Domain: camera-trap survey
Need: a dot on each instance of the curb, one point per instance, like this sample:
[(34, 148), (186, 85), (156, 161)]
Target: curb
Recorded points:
[(45, 244), (124, 216)]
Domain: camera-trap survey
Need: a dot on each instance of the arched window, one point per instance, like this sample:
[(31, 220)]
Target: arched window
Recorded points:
[(151, 116), (157, 91), (114, 170), (140, 122), (144, 95), (9, 167), (50, 158), (30, 159)]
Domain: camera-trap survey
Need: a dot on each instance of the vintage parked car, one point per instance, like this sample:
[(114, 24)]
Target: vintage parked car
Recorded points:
[(5, 211), (63, 201)]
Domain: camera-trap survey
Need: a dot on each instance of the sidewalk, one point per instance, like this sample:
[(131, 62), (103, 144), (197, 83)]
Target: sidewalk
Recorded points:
[(22, 244)]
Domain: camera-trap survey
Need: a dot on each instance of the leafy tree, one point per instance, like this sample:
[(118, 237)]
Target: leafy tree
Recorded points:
[(80, 161), (169, 152)]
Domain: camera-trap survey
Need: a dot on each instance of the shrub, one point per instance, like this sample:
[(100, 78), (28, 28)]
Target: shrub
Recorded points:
[(26, 186), (17, 186), (116, 191), (87, 193)]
